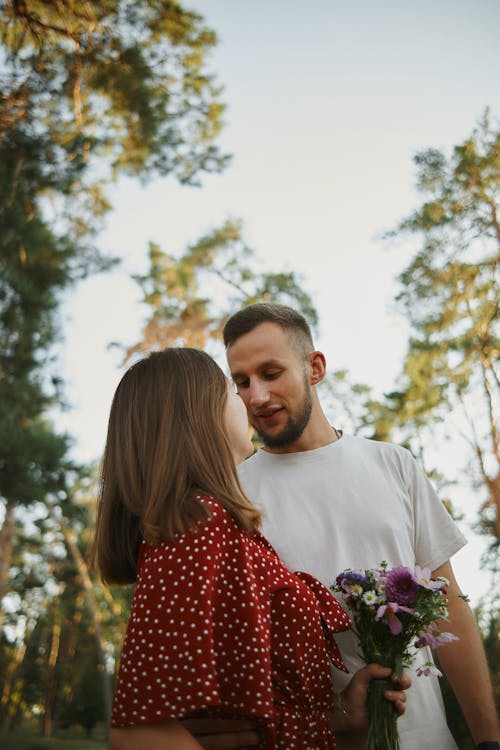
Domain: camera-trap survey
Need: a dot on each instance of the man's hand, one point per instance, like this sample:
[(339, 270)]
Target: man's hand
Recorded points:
[(353, 715), (223, 734)]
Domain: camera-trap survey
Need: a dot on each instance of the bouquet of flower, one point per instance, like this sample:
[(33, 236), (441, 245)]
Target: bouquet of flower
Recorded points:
[(393, 610)]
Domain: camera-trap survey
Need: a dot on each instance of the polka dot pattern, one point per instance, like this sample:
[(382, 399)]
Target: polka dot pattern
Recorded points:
[(220, 627)]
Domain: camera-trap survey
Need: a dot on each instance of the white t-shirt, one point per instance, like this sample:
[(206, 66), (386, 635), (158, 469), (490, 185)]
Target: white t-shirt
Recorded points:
[(353, 504)]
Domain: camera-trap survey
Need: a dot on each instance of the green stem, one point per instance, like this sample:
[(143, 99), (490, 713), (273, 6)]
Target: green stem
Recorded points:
[(382, 729)]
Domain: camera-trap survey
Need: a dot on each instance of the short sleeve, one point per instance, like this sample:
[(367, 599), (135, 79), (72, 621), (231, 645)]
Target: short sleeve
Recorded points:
[(437, 536), (198, 637)]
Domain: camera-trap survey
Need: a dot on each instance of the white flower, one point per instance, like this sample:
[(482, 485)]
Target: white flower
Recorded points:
[(370, 598)]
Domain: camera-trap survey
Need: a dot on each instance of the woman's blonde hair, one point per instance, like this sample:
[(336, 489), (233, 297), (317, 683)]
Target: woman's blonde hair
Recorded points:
[(166, 444)]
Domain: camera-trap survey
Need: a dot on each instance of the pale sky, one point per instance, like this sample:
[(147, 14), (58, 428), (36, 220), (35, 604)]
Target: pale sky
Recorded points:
[(327, 102)]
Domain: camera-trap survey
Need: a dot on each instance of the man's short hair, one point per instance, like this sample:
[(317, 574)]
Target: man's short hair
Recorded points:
[(287, 318)]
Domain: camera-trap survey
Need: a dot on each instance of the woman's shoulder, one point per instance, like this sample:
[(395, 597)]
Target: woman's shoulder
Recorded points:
[(210, 531), (219, 520), (215, 547)]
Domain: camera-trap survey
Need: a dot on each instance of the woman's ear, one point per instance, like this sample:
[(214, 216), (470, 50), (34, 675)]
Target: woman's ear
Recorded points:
[(318, 367)]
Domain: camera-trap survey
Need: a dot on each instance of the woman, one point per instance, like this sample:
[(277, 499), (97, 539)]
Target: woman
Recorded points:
[(218, 626)]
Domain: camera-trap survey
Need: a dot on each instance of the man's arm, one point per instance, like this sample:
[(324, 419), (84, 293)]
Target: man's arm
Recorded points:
[(465, 666), (170, 735)]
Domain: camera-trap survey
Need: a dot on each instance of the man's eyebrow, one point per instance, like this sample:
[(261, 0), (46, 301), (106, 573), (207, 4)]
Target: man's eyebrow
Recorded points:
[(264, 365), (271, 363)]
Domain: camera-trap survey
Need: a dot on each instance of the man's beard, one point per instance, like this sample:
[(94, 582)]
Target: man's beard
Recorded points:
[(295, 426)]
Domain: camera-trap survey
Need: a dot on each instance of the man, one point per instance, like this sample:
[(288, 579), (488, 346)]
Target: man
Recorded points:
[(333, 501)]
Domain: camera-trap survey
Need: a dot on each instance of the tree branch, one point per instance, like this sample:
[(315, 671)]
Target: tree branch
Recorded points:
[(491, 415), (474, 442)]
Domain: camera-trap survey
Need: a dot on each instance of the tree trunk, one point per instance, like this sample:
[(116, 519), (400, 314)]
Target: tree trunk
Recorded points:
[(494, 501), (51, 685), (6, 545), (10, 675), (94, 613)]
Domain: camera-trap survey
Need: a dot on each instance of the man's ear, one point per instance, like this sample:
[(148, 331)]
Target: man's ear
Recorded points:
[(317, 364)]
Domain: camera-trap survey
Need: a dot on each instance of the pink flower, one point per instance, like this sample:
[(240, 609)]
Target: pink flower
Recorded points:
[(389, 610), (422, 576), (427, 637), (433, 637), (445, 638), (427, 669)]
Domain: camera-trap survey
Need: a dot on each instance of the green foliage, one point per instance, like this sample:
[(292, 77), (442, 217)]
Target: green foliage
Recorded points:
[(88, 91), (28, 738), (122, 80), (52, 661), (189, 298), (449, 294), (81, 701), (84, 86), (354, 407), (36, 264)]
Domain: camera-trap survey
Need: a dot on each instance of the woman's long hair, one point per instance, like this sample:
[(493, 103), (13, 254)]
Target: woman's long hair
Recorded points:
[(166, 443)]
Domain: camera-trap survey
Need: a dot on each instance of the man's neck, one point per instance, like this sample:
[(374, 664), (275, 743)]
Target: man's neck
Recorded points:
[(317, 434)]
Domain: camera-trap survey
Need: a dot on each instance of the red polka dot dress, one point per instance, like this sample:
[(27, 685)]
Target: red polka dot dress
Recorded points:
[(220, 627)]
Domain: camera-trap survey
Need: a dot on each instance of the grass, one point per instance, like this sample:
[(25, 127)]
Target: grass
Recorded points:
[(64, 739)]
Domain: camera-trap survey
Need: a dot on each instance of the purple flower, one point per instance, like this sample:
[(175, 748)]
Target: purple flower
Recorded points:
[(400, 586), (357, 576), (350, 578)]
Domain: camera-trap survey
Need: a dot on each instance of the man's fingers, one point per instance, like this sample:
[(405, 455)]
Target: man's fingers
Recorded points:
[(395, 695), (404, 683), (398, 699), (363, 677), (376, 671)]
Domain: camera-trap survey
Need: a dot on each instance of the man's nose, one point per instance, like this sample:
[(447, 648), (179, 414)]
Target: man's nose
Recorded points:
[(258, 394)]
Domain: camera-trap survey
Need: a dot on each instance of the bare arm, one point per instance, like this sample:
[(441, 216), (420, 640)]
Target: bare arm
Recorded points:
[(224, 734), (170, 735), (465, 666)]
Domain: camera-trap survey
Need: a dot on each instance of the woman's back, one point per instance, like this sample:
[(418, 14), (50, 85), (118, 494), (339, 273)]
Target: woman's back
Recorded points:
[(219, 627)]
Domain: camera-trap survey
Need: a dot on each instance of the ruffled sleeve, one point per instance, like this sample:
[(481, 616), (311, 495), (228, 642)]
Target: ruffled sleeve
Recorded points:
[(333, 617), (198, 637)]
